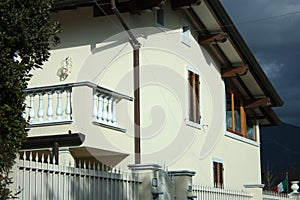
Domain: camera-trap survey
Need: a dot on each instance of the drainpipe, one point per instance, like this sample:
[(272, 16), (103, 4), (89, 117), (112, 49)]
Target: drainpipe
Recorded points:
[(136, 65)]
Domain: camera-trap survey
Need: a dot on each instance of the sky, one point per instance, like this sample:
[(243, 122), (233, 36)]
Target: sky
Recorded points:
[(271, 29)]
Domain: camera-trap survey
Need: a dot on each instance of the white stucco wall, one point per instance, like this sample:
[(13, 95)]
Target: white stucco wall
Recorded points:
[(101, 54)]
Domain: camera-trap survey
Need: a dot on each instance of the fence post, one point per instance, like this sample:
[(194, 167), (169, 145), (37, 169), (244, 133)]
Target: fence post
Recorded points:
[(183, 184), (148, 175), (255, 190), (65, 157)]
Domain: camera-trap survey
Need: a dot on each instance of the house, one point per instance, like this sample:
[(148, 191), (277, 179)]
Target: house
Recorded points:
[(203, 95)]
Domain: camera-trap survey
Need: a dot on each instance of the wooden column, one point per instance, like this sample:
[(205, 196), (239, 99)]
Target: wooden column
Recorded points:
[(243, 119)]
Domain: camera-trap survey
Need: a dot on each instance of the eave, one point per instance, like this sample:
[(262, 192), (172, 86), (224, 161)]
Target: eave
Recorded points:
[(239, 68), (244, 50)]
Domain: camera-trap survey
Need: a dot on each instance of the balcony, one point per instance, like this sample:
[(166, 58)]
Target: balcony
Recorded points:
[(53, 105)]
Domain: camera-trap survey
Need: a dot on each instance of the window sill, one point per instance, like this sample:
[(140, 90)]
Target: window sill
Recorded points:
[(192, 124), (49, 123), (242, 139)]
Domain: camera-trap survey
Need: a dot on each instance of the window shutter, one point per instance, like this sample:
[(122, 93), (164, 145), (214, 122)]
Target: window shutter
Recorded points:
[(218, 171), (215, 174), (194, 97), (197, 99), (221, 175)]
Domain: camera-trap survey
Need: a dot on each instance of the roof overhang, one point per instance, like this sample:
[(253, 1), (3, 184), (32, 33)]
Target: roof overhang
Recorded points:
[(239, 68)]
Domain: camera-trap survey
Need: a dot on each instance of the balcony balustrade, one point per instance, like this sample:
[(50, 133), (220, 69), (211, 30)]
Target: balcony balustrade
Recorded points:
[(52, 105)]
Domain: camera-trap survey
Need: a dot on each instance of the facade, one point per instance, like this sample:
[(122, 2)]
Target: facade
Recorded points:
[(203, 95)]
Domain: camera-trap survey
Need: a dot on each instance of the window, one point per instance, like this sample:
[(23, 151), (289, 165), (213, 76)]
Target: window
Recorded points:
[(236, 117), (218, 171), (194, 97), (160, 17)]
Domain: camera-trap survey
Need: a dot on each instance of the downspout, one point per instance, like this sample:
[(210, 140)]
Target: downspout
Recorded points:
[(136, 65)]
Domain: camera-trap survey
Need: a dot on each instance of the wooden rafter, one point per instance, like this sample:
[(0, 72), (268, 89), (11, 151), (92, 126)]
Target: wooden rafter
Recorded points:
[(234, 71), (263, 102), (224, 58), (179, 4), (213, 38)]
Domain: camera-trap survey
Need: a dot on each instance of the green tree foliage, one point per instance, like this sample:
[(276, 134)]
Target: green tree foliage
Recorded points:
[(26, 34)]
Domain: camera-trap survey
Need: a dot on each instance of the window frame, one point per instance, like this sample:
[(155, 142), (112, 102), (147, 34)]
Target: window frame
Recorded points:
[(234, 97), (218, 180), (188, 120)]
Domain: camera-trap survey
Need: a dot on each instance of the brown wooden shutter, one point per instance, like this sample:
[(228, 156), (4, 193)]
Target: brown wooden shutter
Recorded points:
[(218, 171), (215, 174), (194, 97), (197, 99), (221, 175), (191, 96)]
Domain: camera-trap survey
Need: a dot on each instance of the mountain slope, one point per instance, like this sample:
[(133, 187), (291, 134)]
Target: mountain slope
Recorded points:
[(280, 150)]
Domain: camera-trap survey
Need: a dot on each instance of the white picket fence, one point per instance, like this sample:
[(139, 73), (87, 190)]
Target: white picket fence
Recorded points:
[(275, 196), (209, 193), (46, 181), (37, 178)]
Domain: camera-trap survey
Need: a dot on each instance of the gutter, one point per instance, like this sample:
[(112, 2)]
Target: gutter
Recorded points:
[(136, 66)]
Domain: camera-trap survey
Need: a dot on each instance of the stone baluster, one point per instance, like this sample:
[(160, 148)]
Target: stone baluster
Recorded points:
[(68, 105), (59, 105), (31, 109), (95, 101), (40, 108), (105, 109), (50, 106), (100, 107), (114, 112), (110, 110)]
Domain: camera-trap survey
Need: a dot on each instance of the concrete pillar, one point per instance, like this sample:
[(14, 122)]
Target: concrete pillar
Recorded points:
[(65, 157), (255, 190), (148, 174), (183, 184)]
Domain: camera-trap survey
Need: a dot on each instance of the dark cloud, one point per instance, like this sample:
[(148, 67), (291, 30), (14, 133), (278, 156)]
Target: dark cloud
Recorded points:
[(271, 28)]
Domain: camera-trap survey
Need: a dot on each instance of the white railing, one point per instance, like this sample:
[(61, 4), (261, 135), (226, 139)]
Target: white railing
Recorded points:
[(48, 105), (37, 178), (267, 195), (209, 193), (52, 105), (105, 108)]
